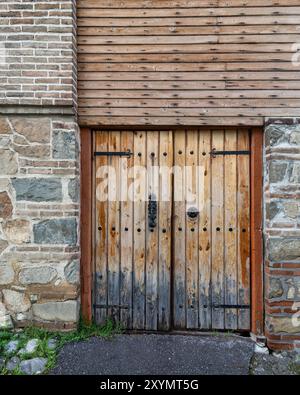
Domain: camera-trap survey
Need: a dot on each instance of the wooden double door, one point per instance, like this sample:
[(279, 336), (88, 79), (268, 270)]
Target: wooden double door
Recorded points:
[(172, 229)]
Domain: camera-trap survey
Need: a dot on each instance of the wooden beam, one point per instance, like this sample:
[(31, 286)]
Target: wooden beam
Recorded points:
[(257, 309), (86, 224)]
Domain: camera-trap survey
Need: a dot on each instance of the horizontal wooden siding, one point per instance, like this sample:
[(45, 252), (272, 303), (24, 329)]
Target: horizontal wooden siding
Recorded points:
[(162, 62)]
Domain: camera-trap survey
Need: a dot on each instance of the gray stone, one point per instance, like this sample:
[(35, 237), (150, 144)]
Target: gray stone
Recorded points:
[(38, 189), (275, 288), (35, 130), (292, 209), (295, 176), (37, 275), (277, 171), (273, 208), (72, 271), (52, 344), (56, 231), (295, 136), (31, 346), (275, 134), (33, 366), (12, 364), (16, 302), (33, 151), (5, 321), (56, 311), (3, 245), (64, 145), (9, 163), (284, 249), (6, 273), (11, 347), (73, 189)]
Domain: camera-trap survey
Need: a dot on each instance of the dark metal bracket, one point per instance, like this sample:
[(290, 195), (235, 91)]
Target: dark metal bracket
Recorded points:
[(228, 306), (110, 306), (114, 153), (214, 152)]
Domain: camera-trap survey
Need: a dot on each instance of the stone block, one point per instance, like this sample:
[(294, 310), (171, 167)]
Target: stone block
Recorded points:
[(284, 249), (6, 207), (282, 325), (275, 288), (73, 190), (277, 171), (9, 162), (4, 126), (16, 302), (34, 130), (56, 311), (37, 275), (64, 145), (56, 231), (276, 134), (33, 366), (72, 272), (272, 209), (38, 189), (295, 174), (33, 151), (6, 273), (17, 231)]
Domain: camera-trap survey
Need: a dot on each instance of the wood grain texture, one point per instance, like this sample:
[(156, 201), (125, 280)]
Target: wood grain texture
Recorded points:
[(186, 272), (176, 51), (86, 231)]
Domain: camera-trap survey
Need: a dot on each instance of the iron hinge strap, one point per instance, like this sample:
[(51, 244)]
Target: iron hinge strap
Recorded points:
[(214, 152), (110, 306), (227, 306), (113, 153)]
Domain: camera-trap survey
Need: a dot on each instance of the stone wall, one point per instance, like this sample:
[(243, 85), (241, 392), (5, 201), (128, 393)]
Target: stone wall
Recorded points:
[(39, 219), (282, 233)]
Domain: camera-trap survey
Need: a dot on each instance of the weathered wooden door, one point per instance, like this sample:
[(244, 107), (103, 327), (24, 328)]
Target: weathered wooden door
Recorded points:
[(172, 229)]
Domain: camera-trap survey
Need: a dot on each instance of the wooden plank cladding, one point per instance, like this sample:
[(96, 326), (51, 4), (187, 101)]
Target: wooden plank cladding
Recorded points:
[(172, 225), (199, 62)]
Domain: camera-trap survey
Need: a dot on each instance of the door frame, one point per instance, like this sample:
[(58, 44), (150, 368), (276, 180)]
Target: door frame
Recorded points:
[(256, 224)]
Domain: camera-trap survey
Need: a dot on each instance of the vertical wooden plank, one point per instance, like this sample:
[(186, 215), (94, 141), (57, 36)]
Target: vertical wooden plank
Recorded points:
[(113, 277), (179, 264), (204, 231), (126, 231), (217, 231), (152, 232), (192, 232), (165, 213), (86, 224), (230, 228), (257, 311), (101, 251), (243, 167), (139, 232)]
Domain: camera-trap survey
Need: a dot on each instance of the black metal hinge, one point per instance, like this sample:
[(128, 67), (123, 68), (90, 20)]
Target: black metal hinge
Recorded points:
[(214, 152), (227, 306), (110, 306), (113, 153)]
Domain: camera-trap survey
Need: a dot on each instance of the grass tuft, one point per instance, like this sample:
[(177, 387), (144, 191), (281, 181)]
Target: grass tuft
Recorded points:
[(83, 332)]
